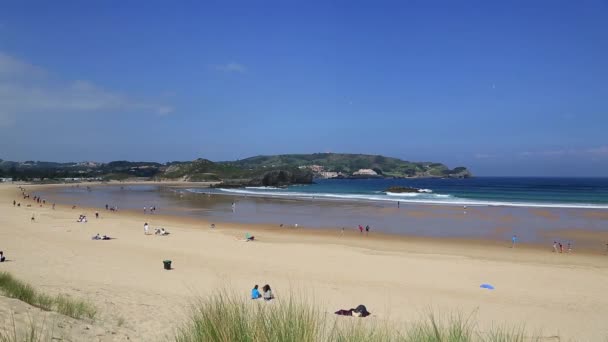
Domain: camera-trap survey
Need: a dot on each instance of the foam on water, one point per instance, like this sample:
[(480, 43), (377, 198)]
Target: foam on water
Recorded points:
[(418, 198)]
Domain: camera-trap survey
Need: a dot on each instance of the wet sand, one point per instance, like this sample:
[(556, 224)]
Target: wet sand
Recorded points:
[(585, 229), (398, 277)]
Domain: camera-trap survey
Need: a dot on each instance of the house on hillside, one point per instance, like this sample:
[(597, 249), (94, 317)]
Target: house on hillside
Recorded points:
[(365, 172)]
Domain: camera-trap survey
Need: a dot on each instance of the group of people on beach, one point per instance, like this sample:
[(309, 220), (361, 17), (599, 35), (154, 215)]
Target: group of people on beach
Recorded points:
[(157, 231), (367, 228), (266, 293), (82, 219), (112, 208), (559, 247), (151, 209)]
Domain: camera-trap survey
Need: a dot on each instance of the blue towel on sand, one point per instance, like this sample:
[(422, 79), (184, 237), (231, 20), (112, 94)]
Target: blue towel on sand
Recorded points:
[(487, 286)]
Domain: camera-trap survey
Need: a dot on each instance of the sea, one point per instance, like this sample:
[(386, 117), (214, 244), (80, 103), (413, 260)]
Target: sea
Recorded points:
[(478, 191)]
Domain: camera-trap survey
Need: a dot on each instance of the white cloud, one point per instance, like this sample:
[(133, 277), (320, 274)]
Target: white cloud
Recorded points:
[(13, 66), (25, 90), (594, 152), (231, 67)]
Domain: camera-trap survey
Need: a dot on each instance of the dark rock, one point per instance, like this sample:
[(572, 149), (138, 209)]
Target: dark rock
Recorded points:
[(401, 189), (276, 178)]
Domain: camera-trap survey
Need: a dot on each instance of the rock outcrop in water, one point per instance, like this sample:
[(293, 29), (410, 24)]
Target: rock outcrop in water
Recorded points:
[(402, 189)]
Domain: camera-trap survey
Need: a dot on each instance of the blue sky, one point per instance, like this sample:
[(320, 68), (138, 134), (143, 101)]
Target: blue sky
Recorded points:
[(503, 87)]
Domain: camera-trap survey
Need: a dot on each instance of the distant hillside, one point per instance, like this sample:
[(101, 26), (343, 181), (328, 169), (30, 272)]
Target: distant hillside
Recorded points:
[(349, 163), (261, 170)]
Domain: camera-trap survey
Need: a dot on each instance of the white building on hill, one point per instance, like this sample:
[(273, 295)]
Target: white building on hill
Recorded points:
[(366, 172)]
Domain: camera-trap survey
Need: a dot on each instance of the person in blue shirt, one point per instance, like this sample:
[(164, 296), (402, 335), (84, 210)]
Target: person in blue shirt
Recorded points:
[(255, 293), (513, 241)]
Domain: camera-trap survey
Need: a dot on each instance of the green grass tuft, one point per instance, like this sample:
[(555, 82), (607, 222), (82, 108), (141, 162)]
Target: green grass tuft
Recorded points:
[(75, 308)]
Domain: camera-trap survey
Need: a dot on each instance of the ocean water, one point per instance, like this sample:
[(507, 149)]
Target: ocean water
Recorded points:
[(479, 191)]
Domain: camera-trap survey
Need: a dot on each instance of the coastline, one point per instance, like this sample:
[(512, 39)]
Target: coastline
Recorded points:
[(397, 278), (325, 218)]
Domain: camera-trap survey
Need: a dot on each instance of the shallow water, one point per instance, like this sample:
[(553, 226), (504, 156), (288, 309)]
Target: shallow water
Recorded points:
[(532, 225)]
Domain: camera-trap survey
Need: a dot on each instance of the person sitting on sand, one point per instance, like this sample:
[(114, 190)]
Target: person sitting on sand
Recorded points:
[(267, 293), (96, 237), (249, 237), (2, 259), (255, 293)]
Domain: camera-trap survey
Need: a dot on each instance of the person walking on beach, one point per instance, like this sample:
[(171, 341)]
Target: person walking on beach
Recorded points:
[(367, 229), (14, 203), (569, 247), (398, 204), (144, 210), (554, 246), (513, 241), (146, 228), (233, 207), (53, 206), (561, 248), (361, 229), (97, 214), (342, 232)]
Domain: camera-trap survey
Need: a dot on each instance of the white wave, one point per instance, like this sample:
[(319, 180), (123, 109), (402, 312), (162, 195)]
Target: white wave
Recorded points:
[(414, 198), (428, 191), (262, 188)]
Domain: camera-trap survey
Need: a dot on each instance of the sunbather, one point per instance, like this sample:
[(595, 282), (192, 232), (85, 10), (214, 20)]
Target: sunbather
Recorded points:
[(267, 293), (255, 293)]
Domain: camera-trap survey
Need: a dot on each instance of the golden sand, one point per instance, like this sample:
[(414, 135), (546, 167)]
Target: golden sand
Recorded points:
[(397, 278)]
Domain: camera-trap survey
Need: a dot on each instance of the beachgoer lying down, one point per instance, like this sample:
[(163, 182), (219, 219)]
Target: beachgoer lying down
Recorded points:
[(249, 237), (98, 237), (3, 258), (161, 232), (360, 311)]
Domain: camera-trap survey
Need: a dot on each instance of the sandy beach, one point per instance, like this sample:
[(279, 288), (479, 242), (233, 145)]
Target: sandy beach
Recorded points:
[(399, 279)]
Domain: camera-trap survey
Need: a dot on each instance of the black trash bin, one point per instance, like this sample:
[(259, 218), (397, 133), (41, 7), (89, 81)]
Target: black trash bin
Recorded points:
[(167, 264)]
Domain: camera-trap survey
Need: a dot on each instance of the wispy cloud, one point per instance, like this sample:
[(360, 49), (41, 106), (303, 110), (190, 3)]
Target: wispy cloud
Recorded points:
[(231, 67), (26, 90), (484, 156), (594, 152)]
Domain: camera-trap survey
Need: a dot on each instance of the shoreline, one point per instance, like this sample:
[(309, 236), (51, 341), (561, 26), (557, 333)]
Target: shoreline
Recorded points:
[(331, 232)]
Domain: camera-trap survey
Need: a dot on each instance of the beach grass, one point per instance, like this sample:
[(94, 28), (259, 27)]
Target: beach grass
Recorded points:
[(75, 308), (224, 317), (15, 288), (33, 331)]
